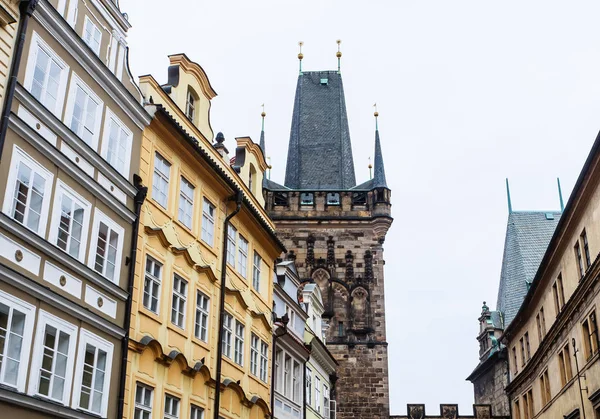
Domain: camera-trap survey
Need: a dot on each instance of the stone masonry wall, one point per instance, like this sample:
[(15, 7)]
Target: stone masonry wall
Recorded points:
[(489, 388)]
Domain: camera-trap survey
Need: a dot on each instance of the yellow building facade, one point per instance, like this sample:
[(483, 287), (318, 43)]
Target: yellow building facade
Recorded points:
[(192, 189)]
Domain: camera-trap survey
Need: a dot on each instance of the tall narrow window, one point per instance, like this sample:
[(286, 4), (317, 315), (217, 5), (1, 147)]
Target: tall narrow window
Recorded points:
[(179, 299), (515, 365), (201, 327), (325, 401), (254, 348), (227, 334), (84, 112), (190, 105), (108, 242), (27, 198), (93, 373), (530, 404), (16, 324), (70, 224), (545, 388), (278, 361), (171, 407), (586, 250), (590, 335), (231, 244), (517, 410), (308, 387), (579, 260), (143, 402), (296, 381), (116, 144), (160, 181), (152, 284), (564, 361), (318, 394), (287, 375), (239, 343), (256, 272), (264, 360), (243, 256), (46, 75), (523, 359), (186, 202), (92, 35), (527, 346), (208, 222), (558, 293), (543, 321)]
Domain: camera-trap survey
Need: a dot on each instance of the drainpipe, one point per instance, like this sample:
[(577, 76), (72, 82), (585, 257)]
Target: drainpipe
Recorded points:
[(139, 199), (26, 9), (238, 200)]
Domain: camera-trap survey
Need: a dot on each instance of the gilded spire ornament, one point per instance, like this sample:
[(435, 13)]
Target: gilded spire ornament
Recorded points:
[(300, 55), (338, 54)]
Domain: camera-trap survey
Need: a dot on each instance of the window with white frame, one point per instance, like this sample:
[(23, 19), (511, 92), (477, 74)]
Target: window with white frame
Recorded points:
[(160, 182), (264, 359), (143, 402), (239, 343), (152, 281), (296, 382), (46, 75), (242, 256), (190, 105), (325, 401), (53, 358), (107, 239), (256, 271), (84, 112), (171, 407), (254, 348), (196, 412), (116, 143), (278, 365), (318, 394), (27, 197), (231, 244), (186, 202), (308, 386), (92, 35), (208, 222), (287, 375), (16, 330), (201, 326), (92, 375), (179, 299), (227, 334), (291, 316), (70, 221)]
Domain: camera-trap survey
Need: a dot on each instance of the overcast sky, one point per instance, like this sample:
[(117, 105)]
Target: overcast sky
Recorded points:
[(469, 92)]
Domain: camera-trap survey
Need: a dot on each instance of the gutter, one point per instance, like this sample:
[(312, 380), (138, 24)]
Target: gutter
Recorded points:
[(139, 199), (238, 199), (26, 9)]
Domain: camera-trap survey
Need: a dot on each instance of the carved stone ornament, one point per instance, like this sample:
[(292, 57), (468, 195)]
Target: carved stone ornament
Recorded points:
[(62, 280), (310, 251), (416, 411), (100, 302), (483, 412), (18, 256), (449, 411), (331, 251)]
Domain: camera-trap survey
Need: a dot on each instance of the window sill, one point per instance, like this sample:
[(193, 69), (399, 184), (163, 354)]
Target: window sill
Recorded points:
[(150, 314), (234, 364), (259, 381), (181, 332), (187, 229), (204, 345)]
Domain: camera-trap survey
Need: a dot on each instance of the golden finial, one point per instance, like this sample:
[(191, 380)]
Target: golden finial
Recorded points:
[(263, 114), (338, 54), (376, 115), (300, 55), (370, 167)]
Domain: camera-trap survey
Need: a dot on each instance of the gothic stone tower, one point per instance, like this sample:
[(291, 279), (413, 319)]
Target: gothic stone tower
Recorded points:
[(335, 231)]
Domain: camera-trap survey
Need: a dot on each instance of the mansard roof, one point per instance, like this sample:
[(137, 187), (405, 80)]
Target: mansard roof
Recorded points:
[(528, 234), (320, 152)]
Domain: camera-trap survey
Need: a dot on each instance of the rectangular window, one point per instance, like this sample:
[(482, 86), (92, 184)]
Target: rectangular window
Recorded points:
[(160, 181), (70, 221), (171, 407), (256, 272), (239, 343), (545, 388), (296, 381), (523, 359), (108, 241), (527, 346), (242, 256), (278, 360), (196, 412), (143, 402), (264, 360), (27, 197), (590, 335), (530, 404), (92, 379), (564, 361), (558, 293), (186, 202), (46, 75), (178, 299), (287, 375), (16, 330), (208, 222), (515, 365), (254, 348), (543, 321), (517, 410), (586, 249), (84, 112), (152, 281), (190, 105), (227, 334), (231, 244), (308, 387), (325, 401), (318, 394), (579, 259), (201, 327), (116, 143), (53, 358), (92, 36)]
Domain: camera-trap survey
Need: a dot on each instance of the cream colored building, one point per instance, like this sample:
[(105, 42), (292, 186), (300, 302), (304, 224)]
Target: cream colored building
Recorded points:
[(552, 342)]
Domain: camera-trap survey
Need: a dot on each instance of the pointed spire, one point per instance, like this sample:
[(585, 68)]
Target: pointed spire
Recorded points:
[(508, 197), (562, 204), (262, 131), (338, 54), (379, 177)]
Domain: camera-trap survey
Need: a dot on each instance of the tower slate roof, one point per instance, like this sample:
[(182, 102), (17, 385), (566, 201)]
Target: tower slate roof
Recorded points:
[(320, 152), (528, 234)]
